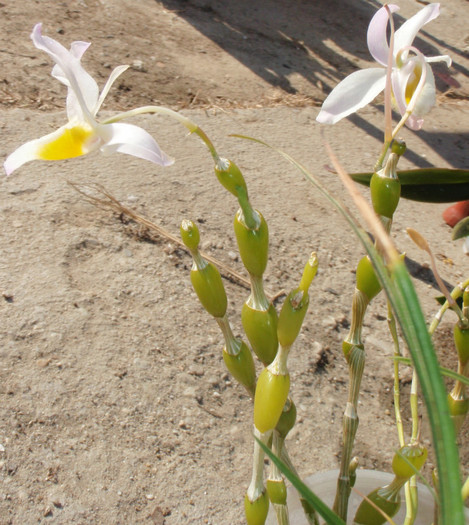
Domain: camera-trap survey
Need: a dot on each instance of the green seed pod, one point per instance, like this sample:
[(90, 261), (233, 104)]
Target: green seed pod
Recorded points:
[(253, 244), (416, 455), (230, 176), (459, 406), (461, 340), (260, 327), (291, 317), (256, 511), (458, 409), (241, 367), (367, 282), (398, 147), (277, 491), (190, 235), (368, 515), (385, 193), (209, 288), (287, 419), (271, 395)]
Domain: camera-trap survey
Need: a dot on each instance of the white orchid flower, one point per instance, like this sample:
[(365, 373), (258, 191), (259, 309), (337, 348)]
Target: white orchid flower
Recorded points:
[(83, 133), (413, 83)]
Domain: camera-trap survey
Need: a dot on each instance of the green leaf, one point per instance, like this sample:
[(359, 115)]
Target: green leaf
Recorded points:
[(428, 184), (461, 229), (445, 371), (315, 502)]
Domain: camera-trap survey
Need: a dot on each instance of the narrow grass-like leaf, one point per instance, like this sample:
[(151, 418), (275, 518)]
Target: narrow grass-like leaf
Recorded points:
[(444, 371), (315, 502)]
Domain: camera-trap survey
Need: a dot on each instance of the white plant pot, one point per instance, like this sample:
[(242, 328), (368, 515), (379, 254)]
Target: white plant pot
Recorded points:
[(324, 486)]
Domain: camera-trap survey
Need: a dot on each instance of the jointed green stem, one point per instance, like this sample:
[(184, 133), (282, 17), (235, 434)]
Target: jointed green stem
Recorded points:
[(397, 396), (232, 344), (256, 487), (257, 300), (250, 215), (455, 294), (281, 509)]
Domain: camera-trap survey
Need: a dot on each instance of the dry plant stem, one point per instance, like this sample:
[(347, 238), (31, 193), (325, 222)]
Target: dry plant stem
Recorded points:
[(422, 243), (355, 356), (111, 202)]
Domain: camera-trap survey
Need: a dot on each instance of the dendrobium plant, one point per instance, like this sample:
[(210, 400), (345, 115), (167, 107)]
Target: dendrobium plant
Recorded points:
[(83, 133), (412, 80)]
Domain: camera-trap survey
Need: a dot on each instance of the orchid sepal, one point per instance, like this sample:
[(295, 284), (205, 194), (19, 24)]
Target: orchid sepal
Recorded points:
[(83, 133)]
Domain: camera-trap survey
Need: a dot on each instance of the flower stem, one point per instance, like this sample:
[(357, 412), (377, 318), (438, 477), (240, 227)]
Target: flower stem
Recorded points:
[(388, 87), (160, 110)]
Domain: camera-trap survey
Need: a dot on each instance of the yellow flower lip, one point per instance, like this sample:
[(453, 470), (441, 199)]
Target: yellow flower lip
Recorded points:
[(72, 142)]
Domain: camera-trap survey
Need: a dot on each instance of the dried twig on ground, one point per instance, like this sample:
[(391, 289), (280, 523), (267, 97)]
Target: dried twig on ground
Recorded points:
[(97, 195)]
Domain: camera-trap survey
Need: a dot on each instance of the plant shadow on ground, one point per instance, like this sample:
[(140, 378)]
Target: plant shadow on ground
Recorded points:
[(282, 42)]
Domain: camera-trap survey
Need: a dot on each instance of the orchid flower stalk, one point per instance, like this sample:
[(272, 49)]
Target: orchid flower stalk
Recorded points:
[(412, 80), (83, 133)]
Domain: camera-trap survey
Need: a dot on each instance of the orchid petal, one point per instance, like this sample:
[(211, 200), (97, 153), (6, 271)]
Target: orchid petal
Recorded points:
[(440, 58), (25, 153), (376, 36), (354, 92), (81, 84), (110, 81), (77, 50), (64, 143), (132, 140), (406, 34), (74, 111)]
